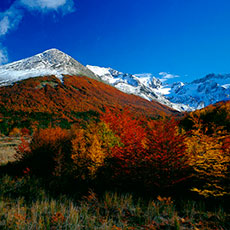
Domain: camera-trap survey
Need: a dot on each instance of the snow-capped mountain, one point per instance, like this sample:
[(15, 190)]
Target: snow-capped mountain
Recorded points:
[(144, 85), (50, 62), (180, 96), (201, 92)]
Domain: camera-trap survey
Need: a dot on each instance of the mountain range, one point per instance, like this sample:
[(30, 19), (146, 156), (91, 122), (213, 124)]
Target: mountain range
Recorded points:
[(50, 62), (180, 96), (53, 88)]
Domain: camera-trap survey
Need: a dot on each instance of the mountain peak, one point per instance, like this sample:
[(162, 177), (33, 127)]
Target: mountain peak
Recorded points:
[(50, 62), (53, 50), (54, 53)]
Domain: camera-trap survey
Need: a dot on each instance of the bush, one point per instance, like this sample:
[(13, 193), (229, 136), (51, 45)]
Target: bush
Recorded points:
[(91, 146), (77, 153), (48, 153), (15, 132), (25, 132), (209, 158), (151, 153)]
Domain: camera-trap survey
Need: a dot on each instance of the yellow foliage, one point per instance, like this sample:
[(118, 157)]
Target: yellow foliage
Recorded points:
[(87, 149), (15, 132), (208, 160)]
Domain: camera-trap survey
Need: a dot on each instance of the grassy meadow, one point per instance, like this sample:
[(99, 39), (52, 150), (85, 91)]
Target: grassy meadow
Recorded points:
[(25, 204)]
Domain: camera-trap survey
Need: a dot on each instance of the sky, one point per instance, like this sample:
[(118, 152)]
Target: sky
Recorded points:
[(187, 39)]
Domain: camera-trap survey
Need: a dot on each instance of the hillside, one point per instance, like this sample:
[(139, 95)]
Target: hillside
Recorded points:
[(211, 117), (46, 99), (181, 96), (50, 62)]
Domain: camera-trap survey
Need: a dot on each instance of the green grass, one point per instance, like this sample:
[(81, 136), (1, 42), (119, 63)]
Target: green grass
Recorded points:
[(26, 204)]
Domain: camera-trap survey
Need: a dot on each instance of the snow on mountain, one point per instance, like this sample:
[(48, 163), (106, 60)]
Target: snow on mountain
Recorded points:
[(143, 85), (50, 62), (180, 96), (201, 92)]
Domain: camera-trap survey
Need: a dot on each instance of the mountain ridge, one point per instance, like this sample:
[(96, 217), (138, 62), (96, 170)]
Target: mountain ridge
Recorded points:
[(50, 62), (178, 95), (149, 88)]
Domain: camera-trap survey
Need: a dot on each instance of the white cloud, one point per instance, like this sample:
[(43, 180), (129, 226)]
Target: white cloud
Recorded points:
[(142, 75), (11, 18), (65, 6), (4, 25), (165, 76), (3, 55)]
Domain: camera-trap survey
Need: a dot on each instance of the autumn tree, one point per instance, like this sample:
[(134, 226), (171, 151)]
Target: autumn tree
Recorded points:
[(91, 145), (48, 153), (209, 157), (166, 153), (152, 152), (127, 154)]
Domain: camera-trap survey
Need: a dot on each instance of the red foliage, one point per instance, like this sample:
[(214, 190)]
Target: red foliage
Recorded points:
[(23, 149), (166, 152), (226, 145), (131, 134), (25, 132), (78, 94), (151, 150)]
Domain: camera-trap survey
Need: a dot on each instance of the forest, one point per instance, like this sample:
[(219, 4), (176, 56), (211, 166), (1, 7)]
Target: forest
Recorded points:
[(119, 167)]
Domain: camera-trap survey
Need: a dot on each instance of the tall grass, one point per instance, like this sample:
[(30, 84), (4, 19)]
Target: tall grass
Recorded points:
[(24, 204)]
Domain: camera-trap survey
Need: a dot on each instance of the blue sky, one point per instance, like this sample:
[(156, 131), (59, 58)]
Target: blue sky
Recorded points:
[(189, 38)]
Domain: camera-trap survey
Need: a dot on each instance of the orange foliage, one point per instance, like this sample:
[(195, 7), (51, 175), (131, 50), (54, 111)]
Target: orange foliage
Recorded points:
[(151, 150), (15, 132), (226, 145), (48, 153), (78, 94), (87, 153), (51, 137), (131, 135), (166, 152), (90, 147)]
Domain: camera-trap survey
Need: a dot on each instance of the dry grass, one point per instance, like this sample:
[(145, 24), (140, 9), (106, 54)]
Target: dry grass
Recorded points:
[(7, 148), (113, 211)]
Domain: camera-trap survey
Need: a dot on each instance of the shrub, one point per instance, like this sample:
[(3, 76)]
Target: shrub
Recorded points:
[(25, 132), (152, 153), (77, 153), (48, 153), (15, 132), (90, 147), (209, 157)]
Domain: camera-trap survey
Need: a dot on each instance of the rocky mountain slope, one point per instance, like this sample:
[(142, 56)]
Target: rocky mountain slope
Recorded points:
[(52, 88), (145, 86), (201, 92), (50, 62), (180, 96)]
